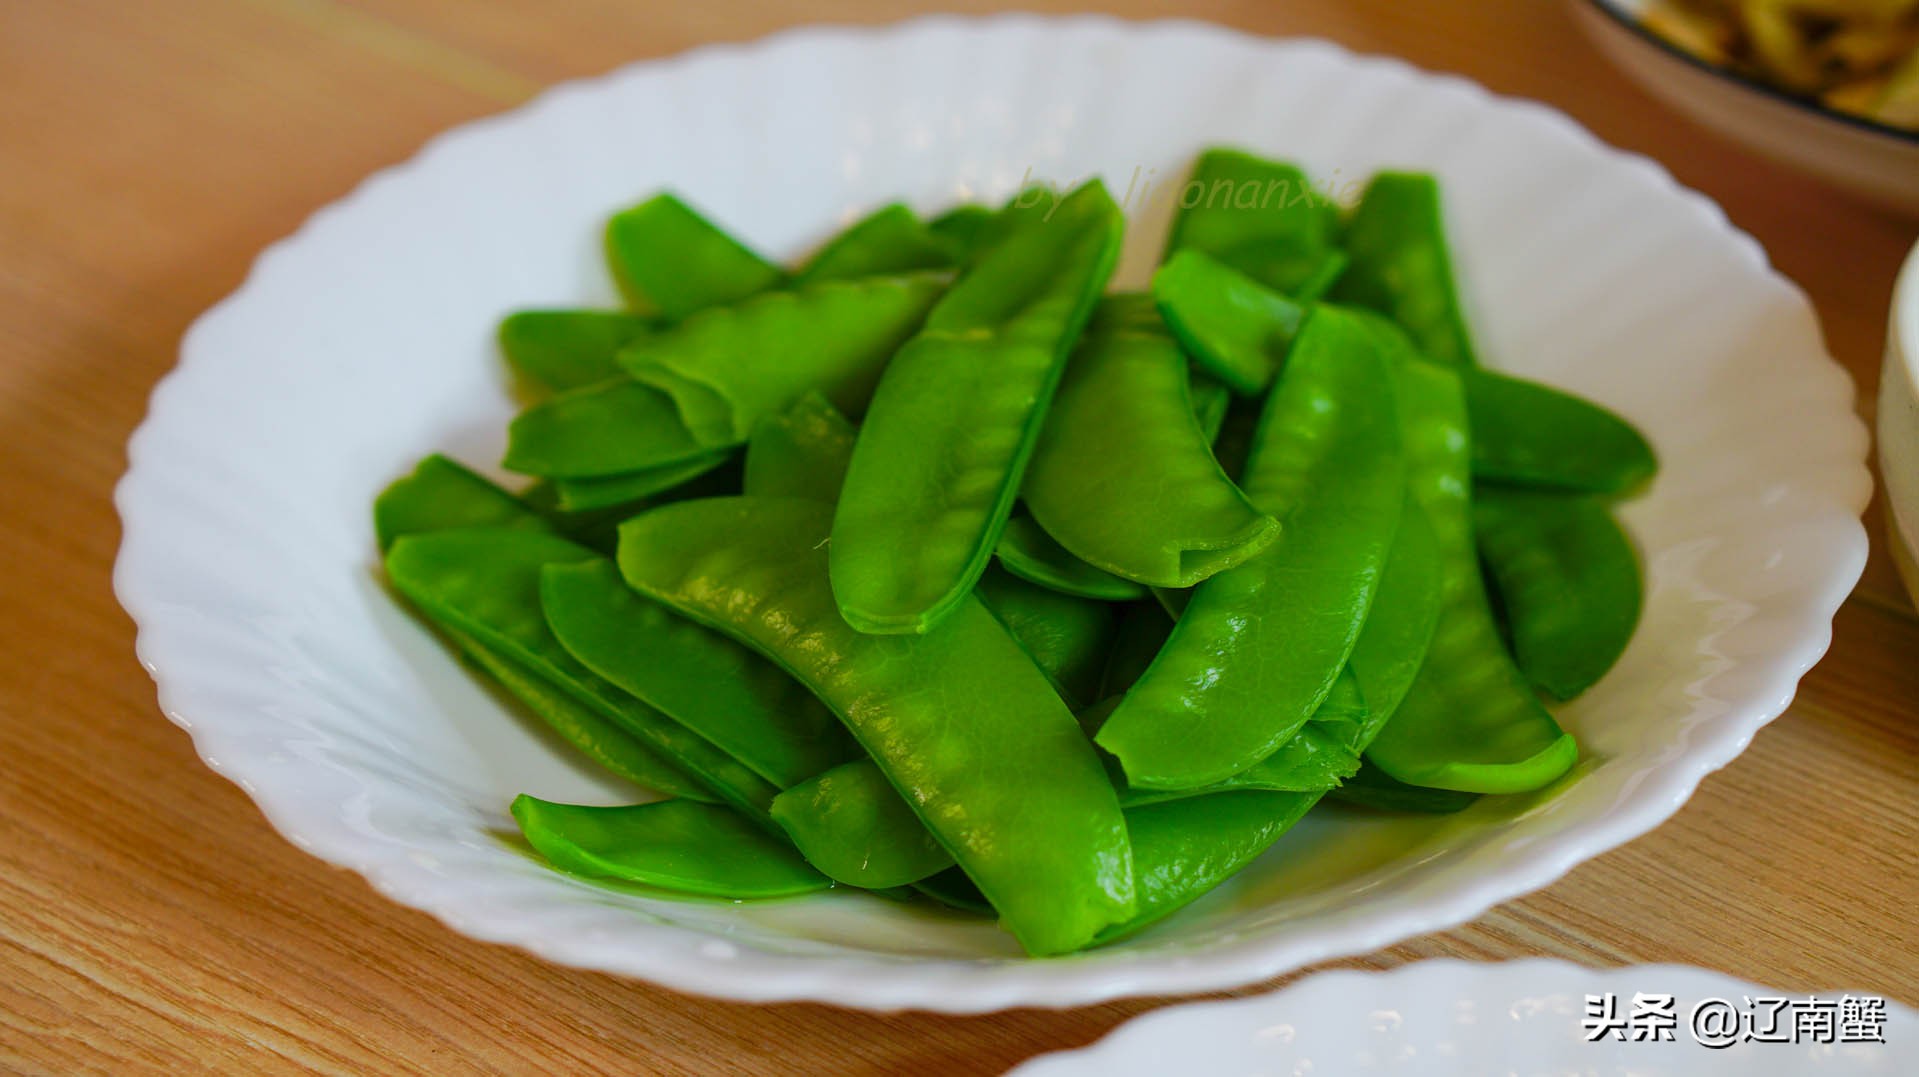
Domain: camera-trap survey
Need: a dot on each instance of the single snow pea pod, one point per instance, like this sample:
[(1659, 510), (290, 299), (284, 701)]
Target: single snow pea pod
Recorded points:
[(727, 367), (1027, 551), (1183, 849), (1374, 788), (441, 494), (1399, 626), (1258, 646), (1400, 266), (891, 239), (611, 428), (1143, 629), (703, 475), (959, 719), (965, 227), (591, 734), (1568, 579), (1470, 721), (850, 823), (666, 257), (941, 454), (676, 845), (1123, 476), (1530, 434), (568, 349), (485, 583), (800, 452), (1067, 637), (1210, 401), (1234, 327), (745, 705), (1261, 217)]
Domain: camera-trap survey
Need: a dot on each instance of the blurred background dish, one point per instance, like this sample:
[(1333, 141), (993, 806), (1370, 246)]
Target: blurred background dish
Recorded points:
[(1836, 97), (1899, 424)]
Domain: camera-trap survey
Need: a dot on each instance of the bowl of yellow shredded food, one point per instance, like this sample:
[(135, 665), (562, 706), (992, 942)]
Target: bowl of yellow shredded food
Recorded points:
[(1829, 86)]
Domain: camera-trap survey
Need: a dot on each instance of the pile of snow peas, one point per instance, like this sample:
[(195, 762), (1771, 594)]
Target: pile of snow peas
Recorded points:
[(933, 568)]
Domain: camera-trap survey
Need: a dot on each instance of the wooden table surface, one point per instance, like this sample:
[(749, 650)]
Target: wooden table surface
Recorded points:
[(149, 918)]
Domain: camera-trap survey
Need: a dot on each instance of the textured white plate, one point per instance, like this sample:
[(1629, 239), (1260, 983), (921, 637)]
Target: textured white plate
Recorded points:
[(1460, 1019), (364, 341)]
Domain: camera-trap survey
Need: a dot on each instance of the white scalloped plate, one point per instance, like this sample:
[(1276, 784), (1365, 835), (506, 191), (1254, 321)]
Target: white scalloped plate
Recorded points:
[(1465, 1019), (364, 341)]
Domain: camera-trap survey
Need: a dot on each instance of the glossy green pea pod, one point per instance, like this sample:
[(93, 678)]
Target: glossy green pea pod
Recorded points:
[(1235, 328), (1261, 217), (1399, 626), (800, 452), (850, 823), (1568, 579), (485, 583), (960, 720), (1067, 637), (1258, 647), (1374, 788), (1470, 721), (612, 428), (891, 239), (1530, 434), (728, 367), (666, 257), (676, 845), (568, 349), (1027, 551), (1401, 267), (441, 494), (703, 475), (587, 731), (940, 457), (1123, 476), (743, 704)]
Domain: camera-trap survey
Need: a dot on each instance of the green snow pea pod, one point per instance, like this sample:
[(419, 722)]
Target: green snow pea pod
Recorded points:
[(961, 721), (1258, 647), (485, 583), (703, 475), (441, 494), (666, 257), (891, 239), (941, 454), (1067, 637), (1531, 434), (591, 734), (745, 705), (1470, 721), (672, 844), (1399, 627), (611, 428), (1123, 477), (1027, 551), (727, 367), (1400, 266), (1183, 849), (1374, 788), (1234, 327), (1261, 217), (1568, 579), (800, 452), (850, 823), (568, 349)]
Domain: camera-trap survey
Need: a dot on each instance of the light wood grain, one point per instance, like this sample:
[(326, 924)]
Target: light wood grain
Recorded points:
[(151, 921)]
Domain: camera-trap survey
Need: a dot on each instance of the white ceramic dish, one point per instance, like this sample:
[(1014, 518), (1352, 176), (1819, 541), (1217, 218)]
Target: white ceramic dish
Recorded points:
[(1899, 424), (364, 342), (1874, 161), (1461, 1019)]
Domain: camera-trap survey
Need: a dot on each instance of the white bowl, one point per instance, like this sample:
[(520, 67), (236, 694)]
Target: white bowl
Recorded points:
[(1876, 161), (365, 341), (1899, 424), (1465, 1019)]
